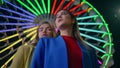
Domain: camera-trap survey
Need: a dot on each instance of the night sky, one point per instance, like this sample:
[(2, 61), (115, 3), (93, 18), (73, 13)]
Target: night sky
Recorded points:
[(110, 9)]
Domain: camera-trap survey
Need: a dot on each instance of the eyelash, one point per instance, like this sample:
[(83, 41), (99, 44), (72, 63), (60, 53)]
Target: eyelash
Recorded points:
[(48, 29)]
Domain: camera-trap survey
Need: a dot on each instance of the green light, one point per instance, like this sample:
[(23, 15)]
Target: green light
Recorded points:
[(105, 23), (105, 45), (90, 23), (107, 60), (95, 47), (92, 30), (2, 1), (33, 7), (39, 6), (27, 7), (44, 6), (108, 44), (110, 49), (109, 55), (87, 17), (106, 55), (93, 38), (105, 34), (48, 6), (95, 18), (106, 26), (99, 15), (110, 37), (100, 26), (83, 0)]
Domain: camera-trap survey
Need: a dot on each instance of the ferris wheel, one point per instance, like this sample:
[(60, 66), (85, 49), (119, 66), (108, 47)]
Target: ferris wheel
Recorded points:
[(17, 25)]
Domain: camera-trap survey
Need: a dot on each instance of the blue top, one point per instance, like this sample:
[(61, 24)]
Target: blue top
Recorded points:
[(52, 53)]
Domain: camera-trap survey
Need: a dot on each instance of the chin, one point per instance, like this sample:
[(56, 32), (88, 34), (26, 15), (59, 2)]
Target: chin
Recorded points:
[(44, 36)]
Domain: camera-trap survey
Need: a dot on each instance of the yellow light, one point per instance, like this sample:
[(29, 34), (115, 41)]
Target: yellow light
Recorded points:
[(31, 33), (17, 42), (33, 37), (25, 44), (82, 3), (30, 29), (7, 61), (10, 45), (9, 37), (89, 9)]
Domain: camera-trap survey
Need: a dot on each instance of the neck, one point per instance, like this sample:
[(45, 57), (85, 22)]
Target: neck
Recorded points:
[(66, 32)]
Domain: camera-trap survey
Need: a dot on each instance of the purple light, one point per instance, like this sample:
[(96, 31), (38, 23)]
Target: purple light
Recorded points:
[(21, 14), (16, 18), (16, 24), (99, 62), (25, 27), (19, 8)]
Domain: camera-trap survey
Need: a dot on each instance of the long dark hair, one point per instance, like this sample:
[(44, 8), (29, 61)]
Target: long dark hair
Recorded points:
[(75, 29)]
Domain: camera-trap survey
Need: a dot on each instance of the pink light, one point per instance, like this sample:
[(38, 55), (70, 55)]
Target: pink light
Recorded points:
[(56, 30), (100, 62)]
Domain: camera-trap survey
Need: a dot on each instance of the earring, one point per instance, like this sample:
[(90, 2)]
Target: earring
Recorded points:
[(56, 30)]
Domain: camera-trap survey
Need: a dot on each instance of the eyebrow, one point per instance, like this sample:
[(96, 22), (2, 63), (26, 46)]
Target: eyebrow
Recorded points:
[(63, 11), (46, 27)]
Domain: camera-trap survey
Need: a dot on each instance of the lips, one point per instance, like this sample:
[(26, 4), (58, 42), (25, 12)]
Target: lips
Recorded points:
[(44, 34)]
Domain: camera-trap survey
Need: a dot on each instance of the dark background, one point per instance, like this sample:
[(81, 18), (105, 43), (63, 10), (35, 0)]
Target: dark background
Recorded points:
[(110, 9)]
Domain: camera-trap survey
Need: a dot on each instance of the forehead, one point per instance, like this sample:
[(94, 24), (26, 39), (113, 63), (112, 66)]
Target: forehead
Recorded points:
[(44, 25), (61, 11)]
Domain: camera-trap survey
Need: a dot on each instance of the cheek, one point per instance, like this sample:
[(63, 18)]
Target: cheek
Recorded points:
[(49, 34), (39, 34), (67, 19), (56, 24)]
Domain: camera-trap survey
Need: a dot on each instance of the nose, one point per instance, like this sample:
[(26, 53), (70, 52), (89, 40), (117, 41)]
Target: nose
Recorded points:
[(44, 30)]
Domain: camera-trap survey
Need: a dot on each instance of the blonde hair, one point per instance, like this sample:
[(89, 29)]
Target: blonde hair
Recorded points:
[(39, 22)]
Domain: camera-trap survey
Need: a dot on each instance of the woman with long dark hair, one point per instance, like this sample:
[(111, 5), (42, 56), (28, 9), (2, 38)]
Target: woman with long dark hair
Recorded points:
[(67, 50)]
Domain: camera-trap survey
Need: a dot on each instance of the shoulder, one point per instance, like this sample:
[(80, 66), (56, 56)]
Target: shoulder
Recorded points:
[(47, 39), (47, 42), (24, 48), (92, 50), (84, 46), (21, 48)]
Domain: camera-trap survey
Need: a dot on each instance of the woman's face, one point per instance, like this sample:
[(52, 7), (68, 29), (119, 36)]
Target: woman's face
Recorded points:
[(45, 31), (63, 19)]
